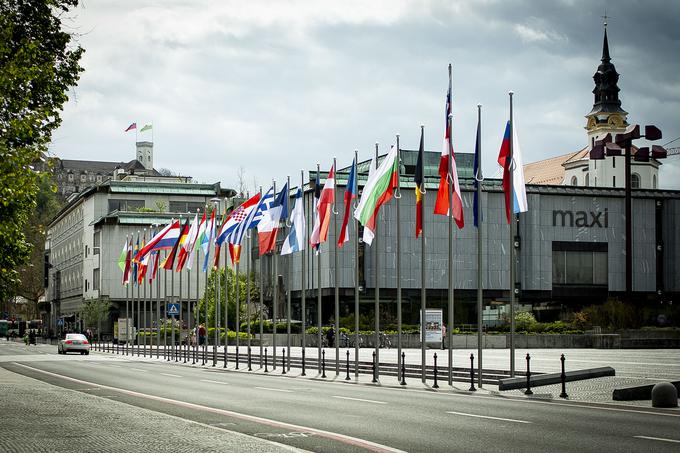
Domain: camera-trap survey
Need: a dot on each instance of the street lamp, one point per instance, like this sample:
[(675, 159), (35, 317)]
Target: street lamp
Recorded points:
[(623, 143)]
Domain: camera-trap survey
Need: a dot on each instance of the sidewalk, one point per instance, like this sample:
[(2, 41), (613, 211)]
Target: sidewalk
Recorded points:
[(71, 421)]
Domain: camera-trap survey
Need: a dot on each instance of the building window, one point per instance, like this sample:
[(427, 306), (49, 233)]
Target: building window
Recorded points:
[(614, 181), (96, 242), (573, 181), (635, 181), (125, 205), (595, 181), (614, 161), (186, 206), (654, 182), (587, 179), (579, 264), (95, 279)]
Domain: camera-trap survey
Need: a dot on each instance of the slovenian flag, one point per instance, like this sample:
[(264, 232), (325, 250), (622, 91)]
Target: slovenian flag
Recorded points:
[(518, 190), (324, 208)]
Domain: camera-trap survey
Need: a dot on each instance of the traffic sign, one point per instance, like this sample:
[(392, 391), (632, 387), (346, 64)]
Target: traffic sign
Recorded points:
[(173, 309), (60, 322)]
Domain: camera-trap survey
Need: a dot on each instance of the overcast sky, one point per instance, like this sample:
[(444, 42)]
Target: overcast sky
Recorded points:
[(276, 86)]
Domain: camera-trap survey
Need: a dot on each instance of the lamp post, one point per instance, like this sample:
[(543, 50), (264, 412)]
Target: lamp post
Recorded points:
[(623, 143)]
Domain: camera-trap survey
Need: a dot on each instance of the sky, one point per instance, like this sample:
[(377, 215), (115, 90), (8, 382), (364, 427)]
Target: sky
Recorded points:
[(267, 88)]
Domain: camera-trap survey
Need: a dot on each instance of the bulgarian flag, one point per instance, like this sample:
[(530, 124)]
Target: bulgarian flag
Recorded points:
[(123, 256), (378, 190)]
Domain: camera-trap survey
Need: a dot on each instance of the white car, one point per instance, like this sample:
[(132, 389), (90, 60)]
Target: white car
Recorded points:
[(75, 342)]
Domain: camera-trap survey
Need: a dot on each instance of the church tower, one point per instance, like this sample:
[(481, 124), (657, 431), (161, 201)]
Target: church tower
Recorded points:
[(606, 116), (145, 154)]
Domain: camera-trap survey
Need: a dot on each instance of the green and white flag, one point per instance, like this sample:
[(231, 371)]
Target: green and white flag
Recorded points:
[(123, 255), (147, 127), (378, 190)]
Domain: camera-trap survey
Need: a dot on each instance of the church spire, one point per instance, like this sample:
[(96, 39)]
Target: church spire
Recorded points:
[(606, 109)]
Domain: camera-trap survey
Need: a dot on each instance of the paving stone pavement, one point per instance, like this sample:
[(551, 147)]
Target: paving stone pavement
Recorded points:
[(38, 417)]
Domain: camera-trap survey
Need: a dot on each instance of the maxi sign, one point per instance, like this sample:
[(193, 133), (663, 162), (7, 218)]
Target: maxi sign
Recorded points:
[(581, 219)]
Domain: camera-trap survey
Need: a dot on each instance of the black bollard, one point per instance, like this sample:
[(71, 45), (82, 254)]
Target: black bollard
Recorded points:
[(250, 360), (472, 373), (403, 369), (323, 363), (283, 360), (225, 355), (528, 390), (237, 357), (435, 385), (563, 376), (303, 362), (347, 378), (374, 378), (266, 370)]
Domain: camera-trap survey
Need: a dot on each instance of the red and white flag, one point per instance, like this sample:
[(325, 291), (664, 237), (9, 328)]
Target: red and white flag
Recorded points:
[(448, 173), (324, 208), (131, 126)]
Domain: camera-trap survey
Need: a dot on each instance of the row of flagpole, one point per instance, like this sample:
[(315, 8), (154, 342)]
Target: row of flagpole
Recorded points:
[(266, 212)]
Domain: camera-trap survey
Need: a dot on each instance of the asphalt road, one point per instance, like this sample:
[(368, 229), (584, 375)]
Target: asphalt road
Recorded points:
[(331, 415)]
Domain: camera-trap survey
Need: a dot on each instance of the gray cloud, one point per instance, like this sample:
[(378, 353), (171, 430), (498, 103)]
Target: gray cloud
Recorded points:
[(276, 87)]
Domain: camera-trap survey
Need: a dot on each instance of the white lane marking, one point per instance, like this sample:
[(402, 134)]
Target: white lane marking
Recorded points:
[(115, 366), (658, 438), (486, 416), (214, 382), (358, 399), (137, 369), (274, 390), (170, 375), (348, 440)]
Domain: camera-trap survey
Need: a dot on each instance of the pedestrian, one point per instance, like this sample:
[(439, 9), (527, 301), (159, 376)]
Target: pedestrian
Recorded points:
[(201, 334), (330, 336)]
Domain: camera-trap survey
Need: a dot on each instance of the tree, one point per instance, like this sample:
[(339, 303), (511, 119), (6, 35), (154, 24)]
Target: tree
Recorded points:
[(48, 203), (209, 298), (38, 64), (93, 312)]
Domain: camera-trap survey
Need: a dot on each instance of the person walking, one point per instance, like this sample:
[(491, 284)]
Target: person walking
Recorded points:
[(330, 336)]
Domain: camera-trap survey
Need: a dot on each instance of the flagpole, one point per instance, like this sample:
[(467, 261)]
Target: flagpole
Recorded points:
[(449, 331), (289, 261), (423, 283), (478, 177), (248, 319), (205, 300), (158, 306), (226, 298), (335, 270), (397, 197), (197, 247), (165, 309), (512, 248), (377, 290), (181, 304), (318, 282), (261, 259), (135, 301), (189, 326), (356, 271), (127, 304), (216, 339), (303, 295), (275, 294), (144, 301)]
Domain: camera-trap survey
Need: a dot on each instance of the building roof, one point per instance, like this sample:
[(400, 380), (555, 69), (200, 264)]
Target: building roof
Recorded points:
[(78, 166), (551, 171)]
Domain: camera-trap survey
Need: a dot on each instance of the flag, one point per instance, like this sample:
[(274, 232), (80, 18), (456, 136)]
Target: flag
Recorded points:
[(147, 127), (448, 173), (123, 256), (295, 241), (143, 265), (367, 235), (477, 175), (419, 179), (268, 227), (164, 239), (206, 239), (128, 261), (197, 242), (216, 258), (249, 218), (131, 126), (188, 244), (518, 190), (324, 208), (135, 263), (153, 265), (350, 194), (314, 238), (236, 217), (378, 190), (169, 261)]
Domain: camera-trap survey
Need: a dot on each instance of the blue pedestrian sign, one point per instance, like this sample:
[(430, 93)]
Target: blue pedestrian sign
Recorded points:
[(173, 309), (60, 322)]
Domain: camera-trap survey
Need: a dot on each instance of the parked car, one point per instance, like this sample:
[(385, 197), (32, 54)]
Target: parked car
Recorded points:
[(75, 342)]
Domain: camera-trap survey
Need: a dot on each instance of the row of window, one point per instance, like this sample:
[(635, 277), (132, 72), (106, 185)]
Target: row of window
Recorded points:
[(66, 250), (83, 177), (136, 205), (634, 181), (72, 218)]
